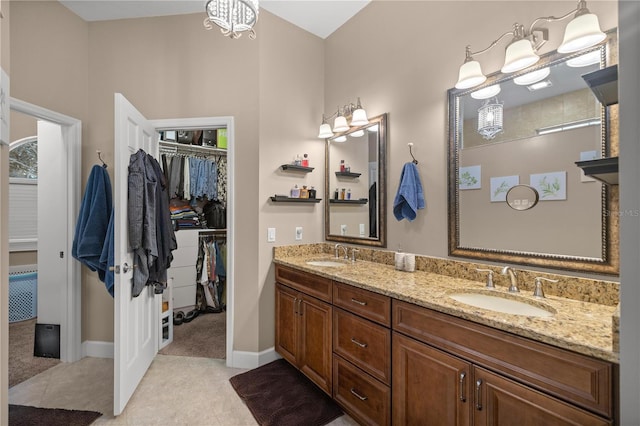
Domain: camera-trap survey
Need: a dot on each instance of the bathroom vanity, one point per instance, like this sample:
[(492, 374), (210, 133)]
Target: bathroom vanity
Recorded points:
[(394, 348)]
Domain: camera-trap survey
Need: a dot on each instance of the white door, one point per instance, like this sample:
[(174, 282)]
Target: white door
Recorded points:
[(52, 228), (136, 318)]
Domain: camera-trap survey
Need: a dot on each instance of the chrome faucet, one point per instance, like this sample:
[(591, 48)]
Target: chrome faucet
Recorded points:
[(337, 249), (513, 288), (353, 254)]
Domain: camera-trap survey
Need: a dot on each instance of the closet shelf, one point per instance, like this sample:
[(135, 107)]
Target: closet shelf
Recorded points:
[(283, 199), (348, 174), (296, 168), (167, 147), (360, 201)]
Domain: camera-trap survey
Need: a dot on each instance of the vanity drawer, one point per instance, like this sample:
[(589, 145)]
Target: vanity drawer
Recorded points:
[(363, 397), (576, 378), (364, 343), (370, 305), (310, 284)]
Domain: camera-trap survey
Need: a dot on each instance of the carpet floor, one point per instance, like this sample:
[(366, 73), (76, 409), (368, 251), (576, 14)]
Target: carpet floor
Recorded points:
[(22, 364), (277, 394), (205, 337), (23, 415)]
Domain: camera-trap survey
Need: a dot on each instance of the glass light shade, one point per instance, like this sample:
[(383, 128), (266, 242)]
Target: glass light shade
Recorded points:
[(357, 133), (340, 124), (233, 16), (359, 117), (490, 119), (582, 32), (585, 60), (325, 131), (532, 77), (342, 138), (487, 92), (373, 128), (470, 75), (519, 56)]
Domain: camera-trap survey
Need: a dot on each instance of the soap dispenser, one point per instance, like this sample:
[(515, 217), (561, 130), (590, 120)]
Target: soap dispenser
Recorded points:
[(295, 192)]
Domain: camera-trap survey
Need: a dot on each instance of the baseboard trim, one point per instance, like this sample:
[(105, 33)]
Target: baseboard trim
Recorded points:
[(97, 349), (243, 359)]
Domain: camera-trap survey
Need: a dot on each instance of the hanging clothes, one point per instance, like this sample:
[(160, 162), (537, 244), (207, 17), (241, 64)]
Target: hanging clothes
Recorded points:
[(93, 224), (151, 235)]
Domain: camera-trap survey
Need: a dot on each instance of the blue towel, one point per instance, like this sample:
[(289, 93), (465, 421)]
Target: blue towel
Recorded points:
[(409, 198), (107, 258), (93, 221)]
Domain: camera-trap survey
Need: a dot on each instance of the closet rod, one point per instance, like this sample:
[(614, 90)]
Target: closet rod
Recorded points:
[(177, 148), (213, 232)]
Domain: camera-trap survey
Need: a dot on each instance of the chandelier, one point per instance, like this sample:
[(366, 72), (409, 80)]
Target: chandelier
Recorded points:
[(490, 118), (232, 16)]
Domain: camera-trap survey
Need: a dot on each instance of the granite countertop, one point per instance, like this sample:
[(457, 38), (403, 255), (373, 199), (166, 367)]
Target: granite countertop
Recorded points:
[(578, 326)]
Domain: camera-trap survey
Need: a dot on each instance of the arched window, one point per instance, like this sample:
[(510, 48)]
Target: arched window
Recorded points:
[(23, 194)]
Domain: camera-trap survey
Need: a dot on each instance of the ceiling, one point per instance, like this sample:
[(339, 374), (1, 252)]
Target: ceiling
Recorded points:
[(319, 17)]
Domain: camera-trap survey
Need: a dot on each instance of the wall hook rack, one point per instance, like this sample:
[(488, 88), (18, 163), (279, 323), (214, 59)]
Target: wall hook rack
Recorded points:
[(410, 145), (101, 160)]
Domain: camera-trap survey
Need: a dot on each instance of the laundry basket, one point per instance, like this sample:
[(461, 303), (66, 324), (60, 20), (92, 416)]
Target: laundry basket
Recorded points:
[(23, 296)]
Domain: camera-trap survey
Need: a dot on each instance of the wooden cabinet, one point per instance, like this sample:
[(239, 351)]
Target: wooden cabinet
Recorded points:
[(536, 384), (362, 354), (303, 331)]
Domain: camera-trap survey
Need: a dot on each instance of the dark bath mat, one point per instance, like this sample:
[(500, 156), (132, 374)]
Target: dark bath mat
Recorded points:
[(279, 395), (24, 415)]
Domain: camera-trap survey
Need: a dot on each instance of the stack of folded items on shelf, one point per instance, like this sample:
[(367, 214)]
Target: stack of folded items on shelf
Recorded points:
[(183, 216)]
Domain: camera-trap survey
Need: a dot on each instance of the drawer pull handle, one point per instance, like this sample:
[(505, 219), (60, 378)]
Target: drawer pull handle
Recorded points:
[(463, 376), (357, 395), (300, 306), (362, 345), (358, 302), (295, 307), (479, 394)]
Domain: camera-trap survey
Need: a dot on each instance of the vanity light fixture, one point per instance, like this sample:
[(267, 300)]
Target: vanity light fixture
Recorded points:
[(532, 77), (357, 134), (569, 126), (583, 31), (490, 118), (585, 60), (487, 92), (358, 118), (342, 138), (232, 16)]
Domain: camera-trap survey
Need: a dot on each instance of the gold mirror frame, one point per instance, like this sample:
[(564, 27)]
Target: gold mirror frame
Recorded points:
[(381, 240), (609, 261)]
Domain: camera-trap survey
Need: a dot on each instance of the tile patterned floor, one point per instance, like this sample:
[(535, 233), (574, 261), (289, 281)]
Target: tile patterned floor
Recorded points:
[(175, 391)]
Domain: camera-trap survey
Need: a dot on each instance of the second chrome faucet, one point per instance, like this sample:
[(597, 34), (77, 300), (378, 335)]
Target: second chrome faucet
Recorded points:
[(513, 287)]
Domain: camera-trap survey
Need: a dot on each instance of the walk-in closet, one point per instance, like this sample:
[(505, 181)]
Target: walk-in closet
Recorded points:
[(194, 304)]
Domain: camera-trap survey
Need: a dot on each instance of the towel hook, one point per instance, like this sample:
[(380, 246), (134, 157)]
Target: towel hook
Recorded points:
[(410, 144), (101, 160)]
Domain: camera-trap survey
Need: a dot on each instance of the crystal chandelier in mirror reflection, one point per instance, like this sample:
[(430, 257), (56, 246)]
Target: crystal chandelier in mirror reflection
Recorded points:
[(232, 16), (490, 118)]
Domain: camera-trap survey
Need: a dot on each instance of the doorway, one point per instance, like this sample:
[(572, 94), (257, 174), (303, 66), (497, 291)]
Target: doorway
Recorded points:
[(56, 241)]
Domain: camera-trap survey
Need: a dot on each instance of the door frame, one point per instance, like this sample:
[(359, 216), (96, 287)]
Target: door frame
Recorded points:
[(71, 315), (217, 122)]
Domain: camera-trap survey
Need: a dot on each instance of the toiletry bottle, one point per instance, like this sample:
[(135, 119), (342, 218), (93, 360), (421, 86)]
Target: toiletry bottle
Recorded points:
[(295, 192), (347, 168), (312, 193), (342, 166), (342, 193), (335, 194), (304, 192), (305, 160), (298, 161), (349, 194)]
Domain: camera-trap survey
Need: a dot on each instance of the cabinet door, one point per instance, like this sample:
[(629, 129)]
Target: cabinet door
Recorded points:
[(287, 320), (499, 401), (314, 358), (430, 387)]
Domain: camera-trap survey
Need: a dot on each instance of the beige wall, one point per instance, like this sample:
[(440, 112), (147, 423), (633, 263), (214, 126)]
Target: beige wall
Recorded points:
[(291, 93), (406, 70)]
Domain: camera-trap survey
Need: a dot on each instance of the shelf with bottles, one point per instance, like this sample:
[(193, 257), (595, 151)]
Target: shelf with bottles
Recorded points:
[(348, 174), (287, 199), (296, 168), (359, 201)]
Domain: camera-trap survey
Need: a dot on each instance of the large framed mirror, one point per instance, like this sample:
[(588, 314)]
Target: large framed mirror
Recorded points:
[(355, 185), (511, 131)]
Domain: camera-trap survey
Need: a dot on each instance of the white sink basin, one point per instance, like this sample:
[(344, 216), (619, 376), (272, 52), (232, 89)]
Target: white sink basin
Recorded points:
[(330, 263), (501, 304)]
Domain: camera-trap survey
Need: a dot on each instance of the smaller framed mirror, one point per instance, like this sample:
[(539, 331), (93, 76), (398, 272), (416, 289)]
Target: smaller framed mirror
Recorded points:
[(522, 197), (355, 184)]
